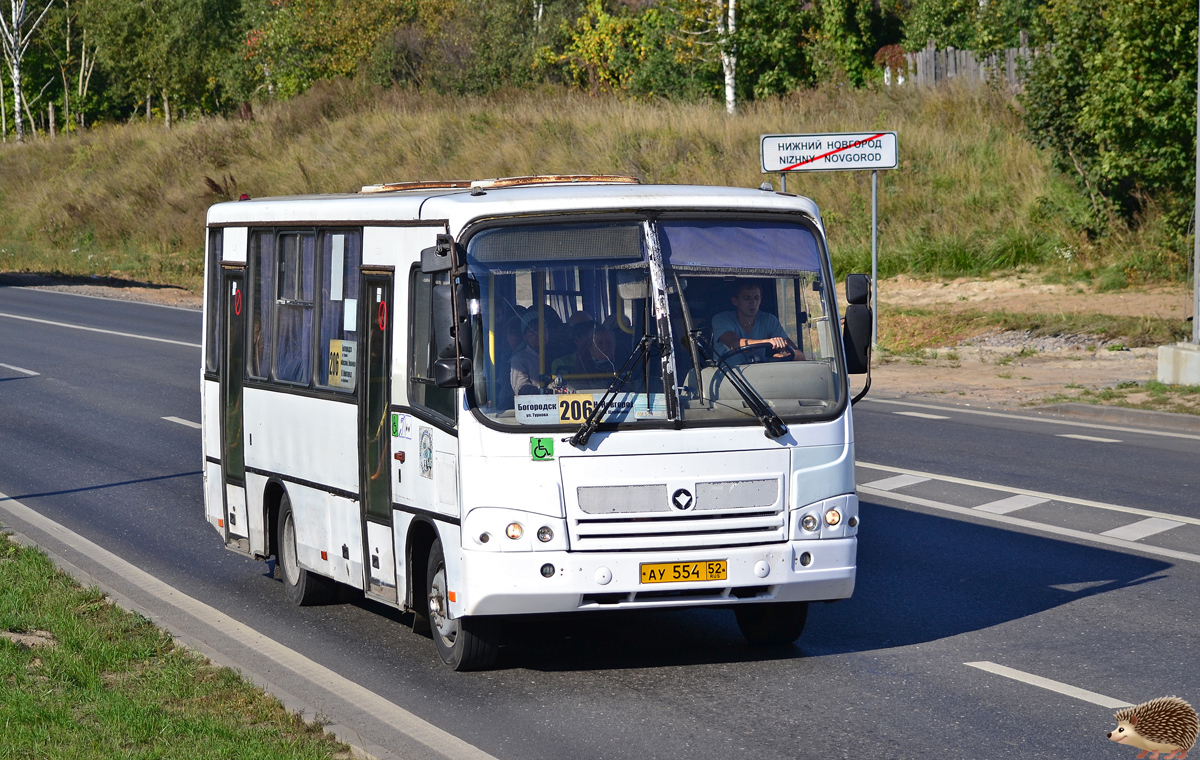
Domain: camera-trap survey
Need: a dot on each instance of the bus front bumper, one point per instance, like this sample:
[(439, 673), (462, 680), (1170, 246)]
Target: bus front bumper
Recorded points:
[(513, 583)]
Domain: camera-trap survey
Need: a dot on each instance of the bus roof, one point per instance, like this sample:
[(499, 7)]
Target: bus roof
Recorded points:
[(457, 206)]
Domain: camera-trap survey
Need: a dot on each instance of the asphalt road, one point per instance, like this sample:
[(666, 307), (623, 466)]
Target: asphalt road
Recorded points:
[(883, 674)]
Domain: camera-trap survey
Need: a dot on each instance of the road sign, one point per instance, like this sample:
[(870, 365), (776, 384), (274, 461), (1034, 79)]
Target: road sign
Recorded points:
[(828, 152)]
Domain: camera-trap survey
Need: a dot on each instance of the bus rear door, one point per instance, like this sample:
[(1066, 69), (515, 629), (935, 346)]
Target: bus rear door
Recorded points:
[(233, 460)]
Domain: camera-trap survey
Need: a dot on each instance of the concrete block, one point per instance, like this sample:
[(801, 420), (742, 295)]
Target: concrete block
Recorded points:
[(1179, 364)]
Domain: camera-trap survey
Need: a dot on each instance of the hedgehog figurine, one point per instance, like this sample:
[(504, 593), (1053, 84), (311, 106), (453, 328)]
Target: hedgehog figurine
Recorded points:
[(1166, 724)]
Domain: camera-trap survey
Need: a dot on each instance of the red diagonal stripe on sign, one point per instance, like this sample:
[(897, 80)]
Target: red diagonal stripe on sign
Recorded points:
[(830, 153)]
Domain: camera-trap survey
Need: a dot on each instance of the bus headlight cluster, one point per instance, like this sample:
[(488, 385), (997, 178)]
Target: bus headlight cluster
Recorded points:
[(809, 523)]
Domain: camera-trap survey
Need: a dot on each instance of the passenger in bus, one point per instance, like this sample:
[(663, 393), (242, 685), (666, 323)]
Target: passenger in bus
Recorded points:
[(747, 326), (524, 366), (593, 354)]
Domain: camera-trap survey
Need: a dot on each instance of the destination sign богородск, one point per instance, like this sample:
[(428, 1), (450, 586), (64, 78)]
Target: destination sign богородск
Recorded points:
[(829, 152)]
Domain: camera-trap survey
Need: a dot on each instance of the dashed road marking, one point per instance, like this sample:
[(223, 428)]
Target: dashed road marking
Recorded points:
[(899, 481), (29, 372), (1011, 504), (1035, 526), (181, 421), (1024, 491), (923, 416), (98, 330), (1046, 683), (1142, 528), (1097, 439), (1027, 418)]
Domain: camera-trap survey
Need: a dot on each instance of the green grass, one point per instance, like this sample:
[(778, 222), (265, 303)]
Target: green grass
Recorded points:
[(1151, 395), (971, 195), (110, 684), (908, 330)]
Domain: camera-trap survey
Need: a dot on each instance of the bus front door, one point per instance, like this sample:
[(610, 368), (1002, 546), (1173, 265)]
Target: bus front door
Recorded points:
[(233, 455), (374, 407)]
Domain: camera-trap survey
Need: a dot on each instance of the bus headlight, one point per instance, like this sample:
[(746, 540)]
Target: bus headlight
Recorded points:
[(545, 534), (809, 523), (514, 531)]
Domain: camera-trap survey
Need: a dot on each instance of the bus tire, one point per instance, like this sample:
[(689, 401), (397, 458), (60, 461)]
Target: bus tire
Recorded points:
[(301, 587), (771, 624), (465, 643)]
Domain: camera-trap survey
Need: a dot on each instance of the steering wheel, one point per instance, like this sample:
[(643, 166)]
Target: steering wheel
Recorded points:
[(770, 356)]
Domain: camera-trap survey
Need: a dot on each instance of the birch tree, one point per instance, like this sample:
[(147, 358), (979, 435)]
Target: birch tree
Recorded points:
[(16, 32), (712, 25)]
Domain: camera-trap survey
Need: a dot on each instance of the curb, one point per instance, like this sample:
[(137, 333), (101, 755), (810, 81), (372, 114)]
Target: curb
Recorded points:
[(359, 748)]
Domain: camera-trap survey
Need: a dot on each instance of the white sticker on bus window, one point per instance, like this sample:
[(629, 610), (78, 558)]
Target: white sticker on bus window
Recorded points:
[(337, 263), (350, 315)]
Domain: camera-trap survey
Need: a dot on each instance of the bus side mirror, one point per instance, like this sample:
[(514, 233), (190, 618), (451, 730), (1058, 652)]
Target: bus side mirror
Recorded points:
[(452, 336), (443, 257), (856, 336)]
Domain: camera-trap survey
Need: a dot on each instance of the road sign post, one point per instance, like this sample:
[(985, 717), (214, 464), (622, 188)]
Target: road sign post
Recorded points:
[(832, 152)]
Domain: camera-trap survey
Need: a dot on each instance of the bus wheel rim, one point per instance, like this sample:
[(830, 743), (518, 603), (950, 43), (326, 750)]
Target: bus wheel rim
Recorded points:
[(445, 627)]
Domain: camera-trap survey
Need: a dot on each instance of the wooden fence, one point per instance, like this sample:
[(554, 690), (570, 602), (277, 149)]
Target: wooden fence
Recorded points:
[(931, 67)]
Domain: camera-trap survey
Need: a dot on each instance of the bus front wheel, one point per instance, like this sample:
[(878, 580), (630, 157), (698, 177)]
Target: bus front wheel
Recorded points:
[(771, 624), (302, 587), (464, 643)]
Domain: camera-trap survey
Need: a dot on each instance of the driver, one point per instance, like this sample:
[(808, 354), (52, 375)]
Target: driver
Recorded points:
[(747, 326)]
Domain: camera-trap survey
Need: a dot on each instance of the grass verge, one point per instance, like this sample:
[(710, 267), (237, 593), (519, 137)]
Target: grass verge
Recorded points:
[(1151, 395), (81, 678), (910, 330)]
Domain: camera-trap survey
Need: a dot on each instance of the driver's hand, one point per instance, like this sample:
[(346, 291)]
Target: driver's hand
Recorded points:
[(778, 343)]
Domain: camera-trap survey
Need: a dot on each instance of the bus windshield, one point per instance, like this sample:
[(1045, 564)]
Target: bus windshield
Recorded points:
[(564, 306)]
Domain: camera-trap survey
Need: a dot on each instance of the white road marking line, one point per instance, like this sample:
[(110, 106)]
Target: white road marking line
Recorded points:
[(1046, 683), (1011, 504), (1028, 492), (1142, 528), (1078, 437), (922, 415), (182, 421), (900, 481), (1030, 524), (1026, 418), (98, 330), (299, 666), (29, 372)]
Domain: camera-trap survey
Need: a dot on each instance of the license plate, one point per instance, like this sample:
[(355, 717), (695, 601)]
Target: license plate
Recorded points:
[(677, 572)]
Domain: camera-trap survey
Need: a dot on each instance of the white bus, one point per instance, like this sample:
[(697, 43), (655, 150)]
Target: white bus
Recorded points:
[(533, 395)]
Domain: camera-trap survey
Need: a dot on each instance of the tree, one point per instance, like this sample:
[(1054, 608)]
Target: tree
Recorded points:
[(16, 32), (712, 25), (1113, 99)]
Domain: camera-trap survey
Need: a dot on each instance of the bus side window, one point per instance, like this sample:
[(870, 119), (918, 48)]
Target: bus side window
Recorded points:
[(294, 337), (337, 341), (215, 241), (421, 390), (262, 271)]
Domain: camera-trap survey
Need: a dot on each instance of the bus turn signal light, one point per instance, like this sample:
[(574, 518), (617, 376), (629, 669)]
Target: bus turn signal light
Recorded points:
[(514, 531), (833, 517)]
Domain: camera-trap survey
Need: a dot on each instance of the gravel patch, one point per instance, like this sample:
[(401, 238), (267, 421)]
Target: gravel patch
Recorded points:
[(1025, 339)]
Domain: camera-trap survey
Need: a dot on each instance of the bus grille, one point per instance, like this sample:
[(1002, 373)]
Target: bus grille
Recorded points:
[(725, 513)]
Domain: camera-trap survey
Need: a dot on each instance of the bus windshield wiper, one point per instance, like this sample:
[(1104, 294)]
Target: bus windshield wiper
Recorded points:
[(774, 426), (593, 419)]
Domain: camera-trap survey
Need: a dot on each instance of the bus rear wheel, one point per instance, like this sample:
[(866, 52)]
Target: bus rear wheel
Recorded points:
[(771, 624), (464, 643), (302, 587)]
